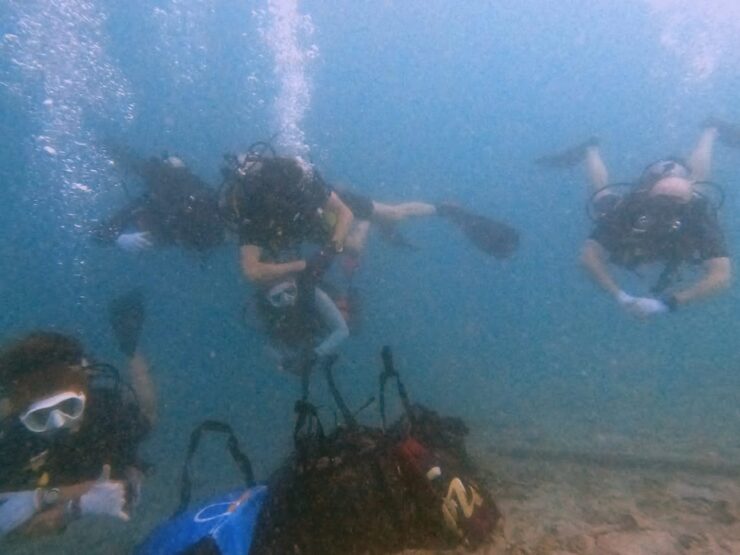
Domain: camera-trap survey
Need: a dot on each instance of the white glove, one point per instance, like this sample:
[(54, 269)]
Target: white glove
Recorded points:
[(134, 242), (625, 300), (105, 497), (16, 508), (645, 307)]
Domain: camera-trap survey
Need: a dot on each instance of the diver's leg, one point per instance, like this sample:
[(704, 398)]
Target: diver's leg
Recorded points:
[(398, 212), (333, 321), (700, 160), (598, 175)]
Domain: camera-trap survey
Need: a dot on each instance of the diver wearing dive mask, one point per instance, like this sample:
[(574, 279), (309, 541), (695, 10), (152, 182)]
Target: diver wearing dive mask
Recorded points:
[(668, 222), (69, 435), (664, 216)]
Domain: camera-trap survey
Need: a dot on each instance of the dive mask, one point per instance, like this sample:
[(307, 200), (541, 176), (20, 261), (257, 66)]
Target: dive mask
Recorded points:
[(55, 412), (660, 216), (283, 294)]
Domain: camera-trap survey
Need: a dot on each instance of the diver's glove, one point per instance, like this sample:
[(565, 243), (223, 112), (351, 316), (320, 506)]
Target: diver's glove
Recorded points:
[(134, 242), (644, 307), (105, 497), (16, 508), (624, 299)]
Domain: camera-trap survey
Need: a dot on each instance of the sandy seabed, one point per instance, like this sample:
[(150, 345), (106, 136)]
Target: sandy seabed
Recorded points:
[(558, 503)]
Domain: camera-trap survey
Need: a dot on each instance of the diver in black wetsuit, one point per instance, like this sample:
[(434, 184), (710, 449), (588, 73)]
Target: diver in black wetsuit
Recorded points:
[(665, 217), (71, 428), (176, 209), (277, 205)]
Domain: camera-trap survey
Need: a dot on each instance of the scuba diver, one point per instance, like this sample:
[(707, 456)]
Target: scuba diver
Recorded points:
[(302, 322), (177, 208), (71, 428), (275, 204), (668, 217)]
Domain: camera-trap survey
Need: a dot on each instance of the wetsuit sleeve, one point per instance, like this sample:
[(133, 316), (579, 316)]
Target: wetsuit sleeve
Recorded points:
[(15, 454), (126, 158), (106, 232), (333, 319), (360, 205), (606, 235), (711, 239), (315, 193)]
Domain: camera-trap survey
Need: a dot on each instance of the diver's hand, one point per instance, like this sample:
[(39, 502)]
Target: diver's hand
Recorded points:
[(105, 497), (644, 307), (319, 263), (337, 245), (625, 300), (135, 242)]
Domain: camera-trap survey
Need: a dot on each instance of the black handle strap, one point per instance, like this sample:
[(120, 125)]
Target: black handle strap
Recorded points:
[(349, 418), (241, 460), (389, 371), (668, 276), (307, 422)]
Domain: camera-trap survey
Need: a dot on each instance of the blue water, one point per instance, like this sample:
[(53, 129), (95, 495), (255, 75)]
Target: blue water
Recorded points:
[(420, 99)]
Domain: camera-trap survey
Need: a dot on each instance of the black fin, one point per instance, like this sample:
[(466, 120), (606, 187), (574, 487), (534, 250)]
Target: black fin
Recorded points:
[(727, 133), (488, 235), (567, 158), (126, 315)]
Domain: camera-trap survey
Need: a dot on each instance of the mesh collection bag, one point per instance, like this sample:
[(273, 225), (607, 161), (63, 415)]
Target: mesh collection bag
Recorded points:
[(362, 489)]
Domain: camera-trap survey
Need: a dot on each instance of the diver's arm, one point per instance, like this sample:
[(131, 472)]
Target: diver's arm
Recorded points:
[(700, 161), (141, 382), (332, 317), (717, 277), (344, 220), (598, 175), (110, 230), (125, 158), (16, 509), (106, 232), (22, 512), (593, 257), (265, 272)]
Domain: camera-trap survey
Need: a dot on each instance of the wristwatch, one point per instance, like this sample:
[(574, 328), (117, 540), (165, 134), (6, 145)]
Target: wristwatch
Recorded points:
[(47, 497)]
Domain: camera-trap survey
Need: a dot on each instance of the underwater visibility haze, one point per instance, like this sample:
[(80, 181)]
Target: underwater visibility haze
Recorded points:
[(415, 100)]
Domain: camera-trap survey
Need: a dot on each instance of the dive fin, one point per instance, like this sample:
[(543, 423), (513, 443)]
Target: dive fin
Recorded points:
[(727, 133), (490, 236), (126, 315), (567, 158)]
